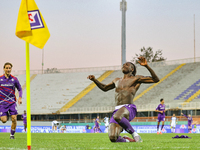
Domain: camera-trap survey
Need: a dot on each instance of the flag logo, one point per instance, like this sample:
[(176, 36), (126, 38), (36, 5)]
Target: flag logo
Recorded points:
[(35, 19)]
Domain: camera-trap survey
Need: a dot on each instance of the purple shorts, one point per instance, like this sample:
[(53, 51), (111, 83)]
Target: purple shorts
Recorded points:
[(161, 117), (132, 112), (12, 109), (96, 126)]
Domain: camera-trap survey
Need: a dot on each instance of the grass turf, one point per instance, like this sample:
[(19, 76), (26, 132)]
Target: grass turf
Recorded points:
[(64, 141)]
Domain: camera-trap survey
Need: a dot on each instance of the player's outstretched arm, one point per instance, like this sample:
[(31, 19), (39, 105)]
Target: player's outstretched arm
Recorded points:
[(102, 86), (153, 79), (184, 115)]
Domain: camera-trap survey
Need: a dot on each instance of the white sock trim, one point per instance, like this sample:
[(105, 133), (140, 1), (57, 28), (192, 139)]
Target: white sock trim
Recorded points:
[(127, 140), (135, 134)]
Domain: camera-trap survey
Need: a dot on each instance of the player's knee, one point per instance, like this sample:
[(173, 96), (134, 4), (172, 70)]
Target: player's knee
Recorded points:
[(112, 138), (14, 120), (3, 121)]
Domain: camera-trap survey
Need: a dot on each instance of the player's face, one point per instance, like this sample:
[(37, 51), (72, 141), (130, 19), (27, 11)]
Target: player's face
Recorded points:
[(7, 70), (189, 115), (126, 68), (163, 101), (173, 115)]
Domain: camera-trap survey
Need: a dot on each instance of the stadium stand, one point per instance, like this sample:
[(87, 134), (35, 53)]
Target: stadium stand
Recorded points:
[(49, 92), (84, 92), (23, 82), (161, 80), (174, 84), (52, 92), (99, 98)]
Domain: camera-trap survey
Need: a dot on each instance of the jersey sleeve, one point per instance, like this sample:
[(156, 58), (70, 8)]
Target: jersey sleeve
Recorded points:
[(19, 88), (157, 108), (185, 116)]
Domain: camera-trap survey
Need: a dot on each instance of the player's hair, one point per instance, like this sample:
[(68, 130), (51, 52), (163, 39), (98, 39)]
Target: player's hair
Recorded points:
[(134, 69), (7, 63), (161, 99)]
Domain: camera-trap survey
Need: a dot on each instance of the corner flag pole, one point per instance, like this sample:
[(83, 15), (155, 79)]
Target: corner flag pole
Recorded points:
[(28, 98)]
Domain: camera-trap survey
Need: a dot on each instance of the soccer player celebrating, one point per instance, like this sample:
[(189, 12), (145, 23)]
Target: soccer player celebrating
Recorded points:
[(24, 120), (173, 123), (125, 90), (190, 120), (161, 115), (8, 100), (106, 121)]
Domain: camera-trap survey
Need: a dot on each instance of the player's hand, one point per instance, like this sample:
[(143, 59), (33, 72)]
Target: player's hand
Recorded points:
[(181, 113), (20, 101), (91, 77), (142, 61), (161, 111)]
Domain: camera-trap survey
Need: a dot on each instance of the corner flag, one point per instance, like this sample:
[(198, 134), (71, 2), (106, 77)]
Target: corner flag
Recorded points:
[(31, 26)]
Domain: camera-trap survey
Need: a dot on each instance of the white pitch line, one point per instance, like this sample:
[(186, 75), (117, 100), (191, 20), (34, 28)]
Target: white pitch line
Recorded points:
[(9, 148)]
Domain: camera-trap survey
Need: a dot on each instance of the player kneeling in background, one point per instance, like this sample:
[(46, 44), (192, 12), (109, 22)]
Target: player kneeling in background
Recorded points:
[(55, 125), (63, 129)]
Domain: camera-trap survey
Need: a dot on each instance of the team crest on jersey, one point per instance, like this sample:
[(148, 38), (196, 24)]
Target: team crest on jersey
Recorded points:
[(12, 79), (1, 79), (35, 19)]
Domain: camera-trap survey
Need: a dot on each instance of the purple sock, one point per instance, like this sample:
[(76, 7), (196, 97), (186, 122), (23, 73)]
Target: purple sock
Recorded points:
[(126, 125), (12, 132), (120, 139), (162, 127), (100, 130), (157, 127)]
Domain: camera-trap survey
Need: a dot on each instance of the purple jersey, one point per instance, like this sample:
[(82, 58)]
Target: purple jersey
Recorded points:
[(189, 120), (161, 108), (7, 90), (24, 118), (96, 122)]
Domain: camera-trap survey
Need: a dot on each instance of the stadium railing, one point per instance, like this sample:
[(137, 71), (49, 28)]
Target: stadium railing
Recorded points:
[(140, 108), (89, 69), (136, 119)]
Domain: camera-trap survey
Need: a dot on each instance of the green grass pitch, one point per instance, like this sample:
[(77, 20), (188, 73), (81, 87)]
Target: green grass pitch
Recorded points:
[(65, 141)]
